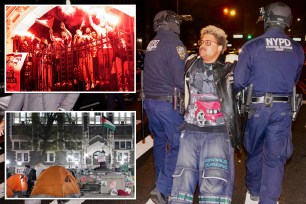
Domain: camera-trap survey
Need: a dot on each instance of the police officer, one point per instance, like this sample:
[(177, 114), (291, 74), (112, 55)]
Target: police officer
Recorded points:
[(271, 62), (163, 71)]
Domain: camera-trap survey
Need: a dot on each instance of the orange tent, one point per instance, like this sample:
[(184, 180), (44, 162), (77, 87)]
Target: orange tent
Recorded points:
[(14, 183), (56, 182), (9, 192)]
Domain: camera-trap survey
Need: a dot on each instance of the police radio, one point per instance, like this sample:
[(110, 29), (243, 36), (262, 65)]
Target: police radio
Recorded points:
[(178, 101), (296, 103)]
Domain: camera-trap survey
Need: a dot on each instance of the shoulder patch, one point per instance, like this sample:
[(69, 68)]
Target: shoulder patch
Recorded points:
[(181, 51), (152, 45)]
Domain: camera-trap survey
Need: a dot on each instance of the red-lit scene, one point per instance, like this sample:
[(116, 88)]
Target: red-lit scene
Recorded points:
[(70, 48)]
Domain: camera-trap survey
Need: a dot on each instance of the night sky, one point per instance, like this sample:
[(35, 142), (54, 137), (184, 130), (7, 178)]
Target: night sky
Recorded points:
[(204, 12), (211, 12)]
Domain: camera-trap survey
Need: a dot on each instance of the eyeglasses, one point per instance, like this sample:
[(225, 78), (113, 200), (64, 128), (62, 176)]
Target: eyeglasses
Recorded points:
[(206, 42)]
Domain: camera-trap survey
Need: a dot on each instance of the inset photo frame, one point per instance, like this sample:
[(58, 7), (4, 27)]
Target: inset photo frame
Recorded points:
[(71, 155), (70, 48)]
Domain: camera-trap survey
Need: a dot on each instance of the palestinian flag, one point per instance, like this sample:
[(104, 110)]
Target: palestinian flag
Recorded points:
[(108, 124)]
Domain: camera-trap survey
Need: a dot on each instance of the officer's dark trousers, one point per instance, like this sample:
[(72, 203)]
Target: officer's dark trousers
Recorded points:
[(268, 143), (164, 124)]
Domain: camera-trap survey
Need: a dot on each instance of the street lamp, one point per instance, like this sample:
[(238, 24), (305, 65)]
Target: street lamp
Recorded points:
[(230, 12)]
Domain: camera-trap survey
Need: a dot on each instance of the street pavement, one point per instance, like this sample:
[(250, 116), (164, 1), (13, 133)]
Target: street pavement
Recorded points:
[(294, 183)]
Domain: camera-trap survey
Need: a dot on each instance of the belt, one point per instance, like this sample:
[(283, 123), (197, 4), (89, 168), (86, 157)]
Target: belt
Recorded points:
[(275, 99), (161, 98)]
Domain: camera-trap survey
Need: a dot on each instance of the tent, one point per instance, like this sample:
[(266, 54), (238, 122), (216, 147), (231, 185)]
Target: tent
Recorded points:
[(9, 192), (16, 184), (39, 168), (56, 182)]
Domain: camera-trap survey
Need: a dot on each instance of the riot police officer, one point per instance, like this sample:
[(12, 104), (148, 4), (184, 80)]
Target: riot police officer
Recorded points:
[(163, 71), (271, 62)]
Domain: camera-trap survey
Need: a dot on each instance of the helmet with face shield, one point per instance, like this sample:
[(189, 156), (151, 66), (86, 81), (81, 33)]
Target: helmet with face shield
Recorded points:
[(167, 20), (276, 14)]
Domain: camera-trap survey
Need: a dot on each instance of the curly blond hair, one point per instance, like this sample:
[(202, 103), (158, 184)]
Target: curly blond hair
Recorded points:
[(219, 33)]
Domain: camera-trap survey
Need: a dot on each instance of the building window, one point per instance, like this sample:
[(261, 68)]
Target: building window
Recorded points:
[(69, 157), (128, 145), (95, 118), (91, 118), (76, 157), (16, 118), (16, 145), (73, 156), (19, 157), (117, 145), (26, 157), (119, 157), (43, 119), (76, 117), (22, 118), (50, 157), (22, 156), (116, 118), (122, 157), (79, 118), (22, 145), (122, 145), (128, 121), (126, 157), (123, 118), (98, 119)]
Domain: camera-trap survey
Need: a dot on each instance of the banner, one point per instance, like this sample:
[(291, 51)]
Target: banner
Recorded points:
[(47, 22), (14, 63)]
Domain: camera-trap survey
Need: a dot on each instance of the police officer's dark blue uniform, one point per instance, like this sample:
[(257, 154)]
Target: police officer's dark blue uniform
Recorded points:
[(164, 64), (272, 63), (163, 70)]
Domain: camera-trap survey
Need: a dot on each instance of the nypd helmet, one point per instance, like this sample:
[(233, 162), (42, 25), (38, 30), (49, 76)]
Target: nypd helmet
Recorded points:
[(167, 20), (276, 14)]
